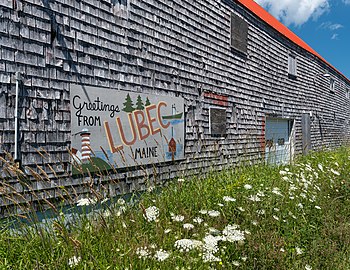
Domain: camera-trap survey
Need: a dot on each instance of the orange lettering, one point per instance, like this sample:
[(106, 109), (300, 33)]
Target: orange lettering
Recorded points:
[(113, 148), (121, 131), (141, 124), (161, 104), (151, 120)]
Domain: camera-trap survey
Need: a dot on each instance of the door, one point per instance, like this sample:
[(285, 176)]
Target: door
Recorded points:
[(278, 141)]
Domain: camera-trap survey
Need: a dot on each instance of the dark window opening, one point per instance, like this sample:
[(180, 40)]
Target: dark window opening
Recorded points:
[(217, 122), (239, 33)]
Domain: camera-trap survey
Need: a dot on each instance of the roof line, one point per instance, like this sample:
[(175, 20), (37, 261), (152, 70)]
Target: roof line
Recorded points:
[(282, 29)]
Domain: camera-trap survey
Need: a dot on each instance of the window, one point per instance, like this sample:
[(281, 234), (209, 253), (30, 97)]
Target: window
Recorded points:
[(292, 66), (347, 92), (217, 122), (239, 33), (331, 85)]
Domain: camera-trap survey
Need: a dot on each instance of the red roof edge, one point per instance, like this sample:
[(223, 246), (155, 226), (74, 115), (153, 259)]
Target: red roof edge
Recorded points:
[(282, 29)]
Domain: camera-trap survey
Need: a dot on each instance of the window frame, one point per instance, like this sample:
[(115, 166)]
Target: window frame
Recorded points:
[(219, 135), (292, 65)]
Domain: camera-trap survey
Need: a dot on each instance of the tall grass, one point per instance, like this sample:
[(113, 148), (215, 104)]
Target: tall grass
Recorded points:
[(258, 217)]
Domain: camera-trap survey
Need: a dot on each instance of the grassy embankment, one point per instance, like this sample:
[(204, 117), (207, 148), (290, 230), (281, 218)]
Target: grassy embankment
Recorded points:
[(291, 217)]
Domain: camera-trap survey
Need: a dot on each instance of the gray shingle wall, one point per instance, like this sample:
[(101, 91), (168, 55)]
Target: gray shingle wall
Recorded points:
[(177, 48)]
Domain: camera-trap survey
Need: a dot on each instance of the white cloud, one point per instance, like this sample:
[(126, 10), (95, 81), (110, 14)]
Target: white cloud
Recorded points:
[(346, 2), (331, 26), (335, 37), (296, 12)]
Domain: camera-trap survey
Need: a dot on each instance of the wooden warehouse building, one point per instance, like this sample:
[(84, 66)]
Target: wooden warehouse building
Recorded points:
[(156, 89)]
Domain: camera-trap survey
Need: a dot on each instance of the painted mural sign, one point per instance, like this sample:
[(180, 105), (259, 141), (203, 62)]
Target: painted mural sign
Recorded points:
[(125, 128)]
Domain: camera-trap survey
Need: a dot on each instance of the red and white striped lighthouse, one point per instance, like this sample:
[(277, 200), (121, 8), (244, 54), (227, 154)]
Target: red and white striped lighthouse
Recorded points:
[(85, 145)]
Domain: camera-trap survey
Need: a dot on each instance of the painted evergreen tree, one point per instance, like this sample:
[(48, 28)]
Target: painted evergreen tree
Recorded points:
[(139, 104), (147, 102), (128, 105)]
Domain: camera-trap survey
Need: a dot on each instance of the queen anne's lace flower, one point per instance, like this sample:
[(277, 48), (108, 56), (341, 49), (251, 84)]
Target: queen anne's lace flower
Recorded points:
[(229, 199), (74, 261), (247, 186), (254, 198), (277, 191), (184, 245), (143, 252), (161, 255), (177, 218), (211, 243), (188, 226), (151, 213), (210, 257), (298, 250), (85, 202), (231, 234), (197, 220), (213, 213)]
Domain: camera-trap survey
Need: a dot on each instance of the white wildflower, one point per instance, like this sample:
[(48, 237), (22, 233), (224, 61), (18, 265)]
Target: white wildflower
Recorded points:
[(276, 217), (283, 172), (236, 263), (203, 212), (229, 199), (241, 209), (151, 213), (260, 212), (277, 191), (298, 250), (220, 204), (308, 267), (180, 180), (231, 234), (276, 209), (184, 245), (197, 220), (335, 172), (244, 259), (320, 167), (106, 213), (213, 213), (209, 257), (255, 223), (254, 198), (143, 252), (74, 261), (247, 186), (300, 205), (177, 218), (188, 226), (167, 231), (85, 202), (285, 178), (121, 201), (317, 207), (260, 194), (211, 243), (161, 255), (282, 250)]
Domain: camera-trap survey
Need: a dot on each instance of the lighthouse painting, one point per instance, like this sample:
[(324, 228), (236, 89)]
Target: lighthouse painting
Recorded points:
[(125, 128)]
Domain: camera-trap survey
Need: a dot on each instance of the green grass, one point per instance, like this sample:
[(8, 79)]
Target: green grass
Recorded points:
[(304, 207)]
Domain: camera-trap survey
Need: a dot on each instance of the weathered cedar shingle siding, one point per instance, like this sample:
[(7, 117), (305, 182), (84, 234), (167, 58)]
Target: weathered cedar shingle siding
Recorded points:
[(176, 48)]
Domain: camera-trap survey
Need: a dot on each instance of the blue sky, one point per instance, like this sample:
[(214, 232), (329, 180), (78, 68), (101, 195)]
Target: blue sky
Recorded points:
[(323, 24)]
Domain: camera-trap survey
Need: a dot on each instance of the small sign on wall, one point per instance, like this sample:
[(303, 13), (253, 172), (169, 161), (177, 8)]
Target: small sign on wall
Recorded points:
[(125, 128), (217, 121)]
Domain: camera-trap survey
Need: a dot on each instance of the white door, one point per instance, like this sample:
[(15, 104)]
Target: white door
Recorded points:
[(278, 143)]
